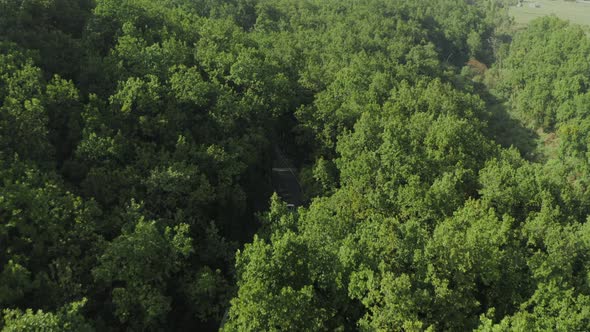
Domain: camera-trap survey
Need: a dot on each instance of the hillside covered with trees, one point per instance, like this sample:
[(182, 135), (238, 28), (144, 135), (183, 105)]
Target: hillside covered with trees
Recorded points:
[(443, 158)]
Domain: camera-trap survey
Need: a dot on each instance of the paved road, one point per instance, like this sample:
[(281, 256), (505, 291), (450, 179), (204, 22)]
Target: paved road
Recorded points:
[(284, 179), (286, 185)]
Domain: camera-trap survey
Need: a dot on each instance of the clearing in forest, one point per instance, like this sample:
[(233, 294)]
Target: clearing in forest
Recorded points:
[(576, 11)]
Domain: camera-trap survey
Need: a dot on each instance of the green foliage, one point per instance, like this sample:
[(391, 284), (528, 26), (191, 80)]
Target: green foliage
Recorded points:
[(137, 140), (264, 303), (52, 28), (68, 318), (143, 259), (545, 68), (23, 118), (49, 237)]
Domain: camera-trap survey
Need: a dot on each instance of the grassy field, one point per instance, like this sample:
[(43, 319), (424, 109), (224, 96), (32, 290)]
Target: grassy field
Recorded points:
[(575, 12)]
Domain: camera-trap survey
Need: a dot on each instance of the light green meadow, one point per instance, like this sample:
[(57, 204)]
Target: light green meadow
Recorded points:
[(576, 12)]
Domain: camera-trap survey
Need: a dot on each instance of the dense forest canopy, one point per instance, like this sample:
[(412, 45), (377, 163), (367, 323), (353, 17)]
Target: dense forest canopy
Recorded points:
[(442, 155)]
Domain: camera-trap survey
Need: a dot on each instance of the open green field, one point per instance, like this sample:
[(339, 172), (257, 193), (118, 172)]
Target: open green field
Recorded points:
[(575, 12)]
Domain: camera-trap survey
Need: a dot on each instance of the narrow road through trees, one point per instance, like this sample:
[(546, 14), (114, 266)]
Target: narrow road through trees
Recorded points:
[(284, 178)]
